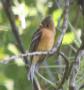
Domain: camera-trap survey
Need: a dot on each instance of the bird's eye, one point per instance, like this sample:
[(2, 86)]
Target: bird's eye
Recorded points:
[(47, 25)]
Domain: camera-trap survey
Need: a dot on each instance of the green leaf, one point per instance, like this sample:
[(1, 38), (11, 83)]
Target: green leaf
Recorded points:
[(68, 38), (12, 48), (2, 53), (56, 15)]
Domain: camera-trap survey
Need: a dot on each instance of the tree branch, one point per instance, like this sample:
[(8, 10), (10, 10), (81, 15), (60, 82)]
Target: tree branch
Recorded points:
[(76, 64), (74, 70)]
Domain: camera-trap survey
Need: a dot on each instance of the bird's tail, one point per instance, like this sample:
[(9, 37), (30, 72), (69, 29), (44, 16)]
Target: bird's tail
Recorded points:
[(33, 69), (31, 73)]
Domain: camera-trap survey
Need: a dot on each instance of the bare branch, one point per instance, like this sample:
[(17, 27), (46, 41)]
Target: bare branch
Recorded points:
[(66, 70), (81, 87), (76, 64), (74, 70), (48, 81)]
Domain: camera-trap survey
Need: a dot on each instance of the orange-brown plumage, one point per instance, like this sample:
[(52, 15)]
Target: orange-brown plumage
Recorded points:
[(43, 40)]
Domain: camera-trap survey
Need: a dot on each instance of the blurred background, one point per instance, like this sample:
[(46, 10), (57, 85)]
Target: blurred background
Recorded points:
[(28, 15)]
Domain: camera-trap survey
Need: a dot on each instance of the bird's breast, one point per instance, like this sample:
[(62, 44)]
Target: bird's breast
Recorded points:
[(46, 41)]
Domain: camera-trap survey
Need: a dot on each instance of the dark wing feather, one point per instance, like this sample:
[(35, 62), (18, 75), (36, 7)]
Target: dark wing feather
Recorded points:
[(33, 46), (35, 41)]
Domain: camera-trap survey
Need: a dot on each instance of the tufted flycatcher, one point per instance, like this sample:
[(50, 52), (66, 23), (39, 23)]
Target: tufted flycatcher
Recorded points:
[(42, 40)]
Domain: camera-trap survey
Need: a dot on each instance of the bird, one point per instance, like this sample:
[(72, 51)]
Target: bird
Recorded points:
[(42, 40)]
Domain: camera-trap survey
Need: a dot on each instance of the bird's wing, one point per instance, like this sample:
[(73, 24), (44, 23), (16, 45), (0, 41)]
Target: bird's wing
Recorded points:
[(33, 46), (35, 41)]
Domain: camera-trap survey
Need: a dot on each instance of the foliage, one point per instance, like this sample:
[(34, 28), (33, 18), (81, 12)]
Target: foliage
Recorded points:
[(28, 15)]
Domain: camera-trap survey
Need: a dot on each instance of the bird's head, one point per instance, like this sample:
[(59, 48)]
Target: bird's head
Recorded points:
[(48, 23)]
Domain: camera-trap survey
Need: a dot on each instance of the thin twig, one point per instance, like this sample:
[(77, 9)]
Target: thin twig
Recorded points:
[(76, 65), (48, 81), (81, 87), (53, 66), (66, 69), (74, 70)]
